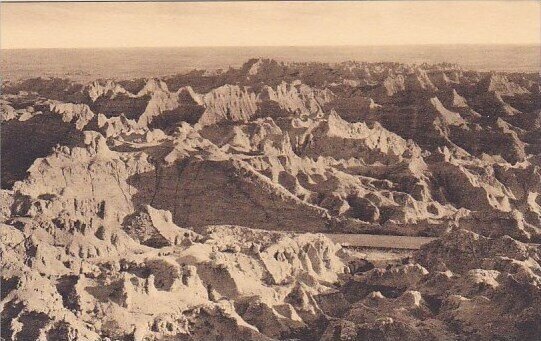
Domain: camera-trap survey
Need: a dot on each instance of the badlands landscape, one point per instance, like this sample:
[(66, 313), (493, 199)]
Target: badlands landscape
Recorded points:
[(202, 206)]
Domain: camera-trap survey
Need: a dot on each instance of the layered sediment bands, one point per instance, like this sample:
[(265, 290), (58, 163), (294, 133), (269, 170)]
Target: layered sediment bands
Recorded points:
[(185, 208), (212, 192), (86, 177), (491, 104), (500, 139), (234, 104), (228, 103)]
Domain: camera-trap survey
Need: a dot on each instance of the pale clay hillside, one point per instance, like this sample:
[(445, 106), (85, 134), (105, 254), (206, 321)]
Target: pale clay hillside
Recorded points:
[(202, 206)]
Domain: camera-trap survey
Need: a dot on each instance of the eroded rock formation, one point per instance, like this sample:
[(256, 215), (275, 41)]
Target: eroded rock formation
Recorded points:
[(190, 207)]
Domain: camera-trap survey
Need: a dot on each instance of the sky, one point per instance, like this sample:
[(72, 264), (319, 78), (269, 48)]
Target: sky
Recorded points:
[(269, 23)]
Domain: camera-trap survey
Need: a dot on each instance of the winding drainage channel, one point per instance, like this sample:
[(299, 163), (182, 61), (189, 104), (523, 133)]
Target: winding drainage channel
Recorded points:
[(379, 241)]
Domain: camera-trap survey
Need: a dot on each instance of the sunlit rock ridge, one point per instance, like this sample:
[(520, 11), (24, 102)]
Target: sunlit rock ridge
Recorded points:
[(192, 207)]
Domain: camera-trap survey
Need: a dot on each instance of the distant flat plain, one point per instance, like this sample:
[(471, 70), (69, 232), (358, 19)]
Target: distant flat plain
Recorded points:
[(128, 63)]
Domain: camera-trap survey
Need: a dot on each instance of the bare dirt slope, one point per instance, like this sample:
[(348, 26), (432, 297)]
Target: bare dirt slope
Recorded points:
[(191, 207)]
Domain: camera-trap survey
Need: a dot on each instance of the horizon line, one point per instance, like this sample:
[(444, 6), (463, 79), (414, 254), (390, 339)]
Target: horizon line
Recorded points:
[(283, 46)]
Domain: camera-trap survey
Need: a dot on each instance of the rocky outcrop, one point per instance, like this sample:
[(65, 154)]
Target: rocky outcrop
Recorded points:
[(458, 101), (500, 84), (447, 117), (394, 85), (336, 138), (78, 114), (228, 103), (419, 81), (491, 104), (235, 279), (186, 207), (460, 284)]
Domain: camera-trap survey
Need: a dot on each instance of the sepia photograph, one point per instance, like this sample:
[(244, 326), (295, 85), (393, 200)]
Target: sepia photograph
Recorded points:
[(270, 170)]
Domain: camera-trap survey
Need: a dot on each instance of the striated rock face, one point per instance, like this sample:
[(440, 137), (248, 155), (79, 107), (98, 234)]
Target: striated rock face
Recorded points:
[(166, 109), (231, 103), (492, 104), (500, 84), (228, 103), (189, 207), (336, 138), (288, 133)]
